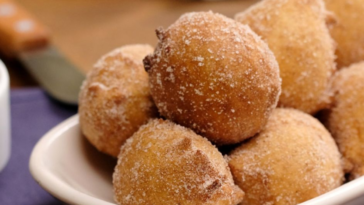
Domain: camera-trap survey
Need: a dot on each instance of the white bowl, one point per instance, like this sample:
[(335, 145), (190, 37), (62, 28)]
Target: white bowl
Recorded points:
[(69, 168), (4, 116)]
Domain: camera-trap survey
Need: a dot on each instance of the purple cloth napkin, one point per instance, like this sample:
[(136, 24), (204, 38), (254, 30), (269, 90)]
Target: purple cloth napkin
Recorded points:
[(33, 113)]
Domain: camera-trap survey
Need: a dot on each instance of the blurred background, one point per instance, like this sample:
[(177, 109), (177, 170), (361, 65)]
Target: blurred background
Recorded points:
[(84, 30)]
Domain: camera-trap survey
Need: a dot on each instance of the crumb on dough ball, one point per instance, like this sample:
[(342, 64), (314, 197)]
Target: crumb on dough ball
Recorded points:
[(215, 76), (292, 160), (348, 31), (115, 98), (346, 119), (164, 163), (297, 33)]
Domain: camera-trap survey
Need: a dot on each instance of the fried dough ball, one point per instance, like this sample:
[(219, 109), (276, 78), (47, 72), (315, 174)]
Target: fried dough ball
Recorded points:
[(164, 163), (215, 76), (346, 118), (292, 160), (297, 34), (348, 31), (115, 98)]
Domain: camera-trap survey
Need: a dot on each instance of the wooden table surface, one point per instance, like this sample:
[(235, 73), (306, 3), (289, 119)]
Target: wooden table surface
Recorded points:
[(84, 30)]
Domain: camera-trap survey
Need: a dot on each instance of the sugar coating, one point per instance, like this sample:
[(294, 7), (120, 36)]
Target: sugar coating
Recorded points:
[(115, 98), (348, 31), (297, 33), (215, 76), (345, 120), (164, 163), (292, 160)]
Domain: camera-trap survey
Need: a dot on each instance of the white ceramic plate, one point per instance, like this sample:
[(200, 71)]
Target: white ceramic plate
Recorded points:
[(69, 168)]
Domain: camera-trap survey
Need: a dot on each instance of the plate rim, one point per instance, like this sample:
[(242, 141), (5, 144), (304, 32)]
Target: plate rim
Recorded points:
[(52, 184), (49, 181)]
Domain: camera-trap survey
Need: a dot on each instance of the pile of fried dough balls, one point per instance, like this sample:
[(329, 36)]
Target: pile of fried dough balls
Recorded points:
[(213, 83)]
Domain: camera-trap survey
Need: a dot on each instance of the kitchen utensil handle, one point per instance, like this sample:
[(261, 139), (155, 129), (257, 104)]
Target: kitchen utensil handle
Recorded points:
[(19, 31)]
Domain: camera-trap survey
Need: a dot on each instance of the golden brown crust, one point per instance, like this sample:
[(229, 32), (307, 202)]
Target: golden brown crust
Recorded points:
[(215, 76), (292, 160), (164, 163), (348, 32), (346, 119), (114, 99), (297, 34)]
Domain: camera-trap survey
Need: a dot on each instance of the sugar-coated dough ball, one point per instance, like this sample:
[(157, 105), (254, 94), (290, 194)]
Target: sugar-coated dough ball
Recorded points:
[(164, 163), (346, 118), (292, 160), (115, 98), (297, 34), (348, 32), (215, 76)]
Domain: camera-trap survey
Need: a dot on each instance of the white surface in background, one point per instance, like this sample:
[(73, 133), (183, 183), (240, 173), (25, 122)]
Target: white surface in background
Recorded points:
[(4, 116)]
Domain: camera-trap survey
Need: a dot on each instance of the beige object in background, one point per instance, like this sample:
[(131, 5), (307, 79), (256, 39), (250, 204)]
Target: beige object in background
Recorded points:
[(297, 34), (114, 99), (348, 32), (346, 119), (292, 160), (4, 116), (164, 163)]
